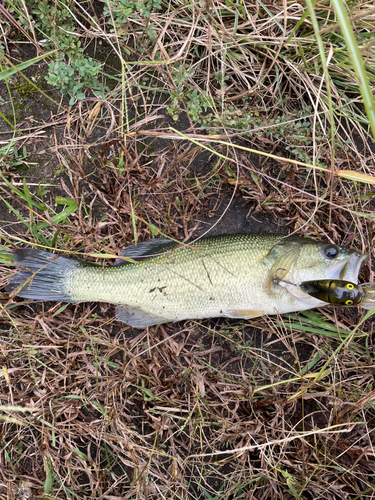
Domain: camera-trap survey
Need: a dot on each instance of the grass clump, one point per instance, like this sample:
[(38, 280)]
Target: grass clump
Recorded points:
[(176, 114)]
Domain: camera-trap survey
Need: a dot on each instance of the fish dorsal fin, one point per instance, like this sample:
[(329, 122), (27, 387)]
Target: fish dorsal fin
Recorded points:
[(145, 249), (279, 261), (138, 318)]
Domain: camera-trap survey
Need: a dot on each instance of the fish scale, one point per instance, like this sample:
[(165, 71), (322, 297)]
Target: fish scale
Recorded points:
[(232, 276), (205, 278)]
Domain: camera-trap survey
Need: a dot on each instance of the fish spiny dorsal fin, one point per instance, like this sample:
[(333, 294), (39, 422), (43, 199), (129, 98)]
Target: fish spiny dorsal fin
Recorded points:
[(145, 249)]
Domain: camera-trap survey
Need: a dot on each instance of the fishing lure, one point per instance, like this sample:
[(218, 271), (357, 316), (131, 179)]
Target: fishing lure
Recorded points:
[(337, 292)]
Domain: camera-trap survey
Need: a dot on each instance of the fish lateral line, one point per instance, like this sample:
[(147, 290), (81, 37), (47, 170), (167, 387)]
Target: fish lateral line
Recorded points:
[(180, 276), (219, 264)]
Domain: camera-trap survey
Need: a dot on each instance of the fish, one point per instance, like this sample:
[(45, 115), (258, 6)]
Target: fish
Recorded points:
[(341, 293), (161, 281)]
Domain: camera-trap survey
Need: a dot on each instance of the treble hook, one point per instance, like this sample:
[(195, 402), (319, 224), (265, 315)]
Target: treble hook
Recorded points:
[(276, 280)]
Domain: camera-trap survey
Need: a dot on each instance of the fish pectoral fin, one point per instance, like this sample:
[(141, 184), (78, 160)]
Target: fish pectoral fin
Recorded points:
[(134, 316), (243, 313), (279, 264)]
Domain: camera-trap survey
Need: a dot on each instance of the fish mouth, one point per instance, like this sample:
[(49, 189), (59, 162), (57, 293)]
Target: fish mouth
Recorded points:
[(351, 268), (346, 270)]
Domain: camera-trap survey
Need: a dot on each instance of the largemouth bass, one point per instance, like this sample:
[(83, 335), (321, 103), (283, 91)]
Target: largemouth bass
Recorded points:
[(239, 276)]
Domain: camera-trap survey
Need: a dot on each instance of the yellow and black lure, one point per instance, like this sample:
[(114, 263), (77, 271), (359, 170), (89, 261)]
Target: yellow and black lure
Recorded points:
[(337, 292)]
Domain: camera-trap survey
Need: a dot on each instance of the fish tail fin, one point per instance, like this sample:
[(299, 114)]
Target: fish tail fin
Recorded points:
[(368, 300), (42, 275)]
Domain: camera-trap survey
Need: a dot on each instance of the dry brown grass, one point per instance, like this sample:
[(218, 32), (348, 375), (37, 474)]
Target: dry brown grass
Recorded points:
[(219, 409)]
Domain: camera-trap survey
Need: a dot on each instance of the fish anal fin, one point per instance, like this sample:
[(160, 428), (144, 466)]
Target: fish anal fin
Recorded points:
[(144, 249), (137, 317), (243, 313)]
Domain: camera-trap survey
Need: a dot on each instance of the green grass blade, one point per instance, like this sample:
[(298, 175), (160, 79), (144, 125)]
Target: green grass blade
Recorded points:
[(16, 213), (357, 61), (7, 73), (325, 64)]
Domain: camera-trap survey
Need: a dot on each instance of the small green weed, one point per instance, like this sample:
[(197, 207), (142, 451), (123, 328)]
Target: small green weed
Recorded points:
[(12, 157), (71, 78), (119, 11), (71, 70)]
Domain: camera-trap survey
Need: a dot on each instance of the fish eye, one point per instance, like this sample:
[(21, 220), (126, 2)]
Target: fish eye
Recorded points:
[(350, 286), (349, 302), (331, 251)]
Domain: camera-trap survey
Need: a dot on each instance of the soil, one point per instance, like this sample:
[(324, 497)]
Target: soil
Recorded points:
[(228, 212)]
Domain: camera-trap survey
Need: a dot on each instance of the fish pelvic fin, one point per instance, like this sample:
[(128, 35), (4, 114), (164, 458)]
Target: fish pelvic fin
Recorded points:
[(42, 275), (243, 313), (137, 317)]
